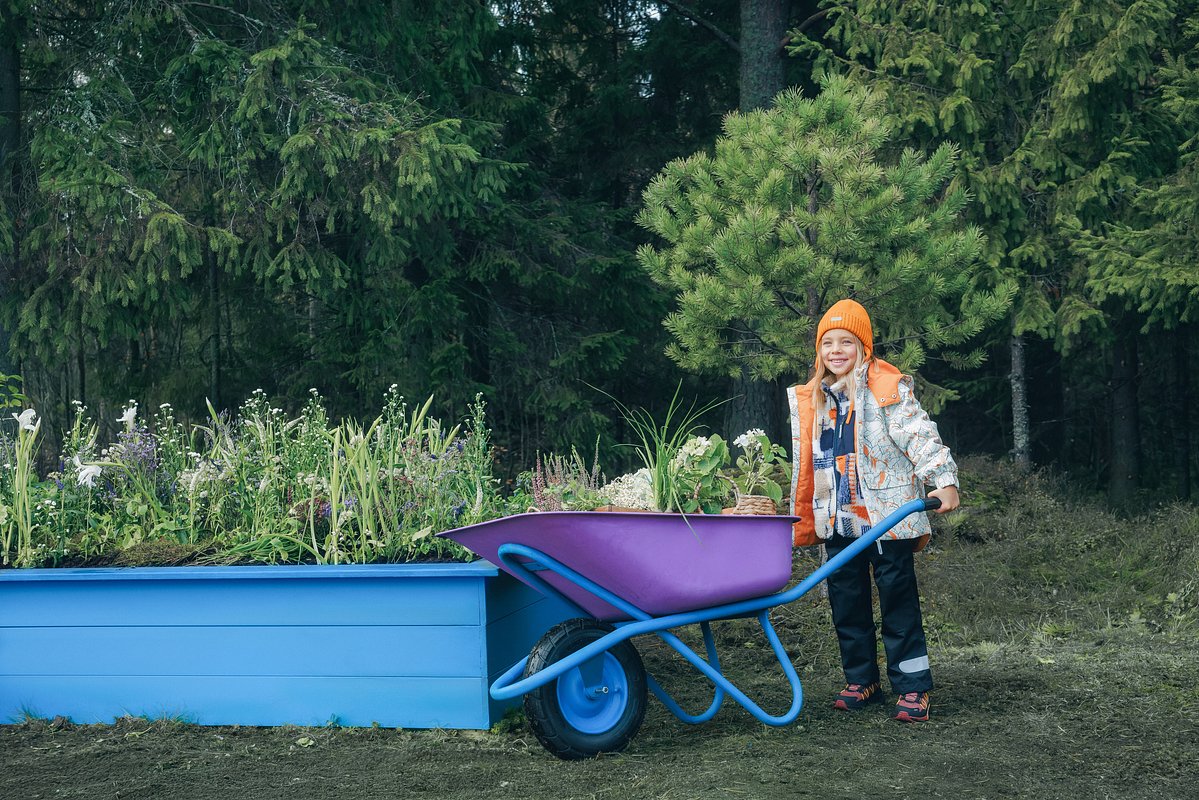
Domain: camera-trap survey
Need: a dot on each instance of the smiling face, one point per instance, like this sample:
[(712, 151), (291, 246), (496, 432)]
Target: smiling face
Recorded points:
[(839, 351)]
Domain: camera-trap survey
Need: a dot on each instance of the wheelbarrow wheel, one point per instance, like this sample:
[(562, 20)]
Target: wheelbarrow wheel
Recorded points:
[(591, 709)]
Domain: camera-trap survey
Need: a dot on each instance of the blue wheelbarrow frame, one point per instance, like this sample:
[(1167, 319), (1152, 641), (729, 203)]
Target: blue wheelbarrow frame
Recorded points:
[(526, 562)]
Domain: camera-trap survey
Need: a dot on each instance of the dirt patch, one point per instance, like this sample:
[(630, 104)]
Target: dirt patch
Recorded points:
[(1066, 661)]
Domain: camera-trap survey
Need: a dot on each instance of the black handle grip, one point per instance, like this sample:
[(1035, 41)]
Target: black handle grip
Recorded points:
[(932, 503)]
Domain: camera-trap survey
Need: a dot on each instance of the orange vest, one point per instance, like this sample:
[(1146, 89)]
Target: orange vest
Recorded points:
[(883, 380)]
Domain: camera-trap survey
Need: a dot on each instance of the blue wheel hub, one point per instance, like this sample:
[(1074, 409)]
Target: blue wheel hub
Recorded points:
[(593, 697)]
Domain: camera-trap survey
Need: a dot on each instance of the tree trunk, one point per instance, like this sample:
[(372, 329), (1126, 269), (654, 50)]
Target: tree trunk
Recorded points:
[(1181, 413), (763, 29), (753, 404), (11, 157), (1125, 430), (758, 404), (214, 337), (314, 323), (81, 360), (1019, 380)]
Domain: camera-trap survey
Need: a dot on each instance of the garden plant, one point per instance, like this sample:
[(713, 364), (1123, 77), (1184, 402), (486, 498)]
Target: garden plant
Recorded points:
[(258, 487), (762, 468)]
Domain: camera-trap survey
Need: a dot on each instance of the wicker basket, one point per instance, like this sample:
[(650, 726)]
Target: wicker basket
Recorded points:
[(752, 505)]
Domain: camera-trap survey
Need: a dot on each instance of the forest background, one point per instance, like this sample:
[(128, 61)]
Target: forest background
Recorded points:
[(202, 199)]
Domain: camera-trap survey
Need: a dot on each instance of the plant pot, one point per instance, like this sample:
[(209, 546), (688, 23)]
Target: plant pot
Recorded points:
[(752, 505)]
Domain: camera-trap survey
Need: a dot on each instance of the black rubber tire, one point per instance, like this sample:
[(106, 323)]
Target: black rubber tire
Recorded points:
[(550, 725)]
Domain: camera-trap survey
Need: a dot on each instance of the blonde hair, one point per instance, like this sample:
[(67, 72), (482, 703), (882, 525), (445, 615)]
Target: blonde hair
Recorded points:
[(820, 373)]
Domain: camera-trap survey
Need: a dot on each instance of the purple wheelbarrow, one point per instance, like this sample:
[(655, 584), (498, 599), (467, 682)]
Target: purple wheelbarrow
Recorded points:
[(628, 574)]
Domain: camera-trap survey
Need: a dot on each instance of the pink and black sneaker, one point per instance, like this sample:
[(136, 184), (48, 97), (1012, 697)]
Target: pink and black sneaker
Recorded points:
[(912, 707), (857, 695)]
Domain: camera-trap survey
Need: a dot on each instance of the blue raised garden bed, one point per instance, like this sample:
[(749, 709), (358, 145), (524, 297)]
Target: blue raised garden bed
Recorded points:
[(403, 645)]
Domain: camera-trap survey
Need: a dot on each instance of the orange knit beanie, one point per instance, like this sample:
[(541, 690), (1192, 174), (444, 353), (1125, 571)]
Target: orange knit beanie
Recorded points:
[(848, 315)]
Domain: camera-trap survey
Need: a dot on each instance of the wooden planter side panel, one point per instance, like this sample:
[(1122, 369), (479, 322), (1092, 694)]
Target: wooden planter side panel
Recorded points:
[(517, 617), (396, 645)]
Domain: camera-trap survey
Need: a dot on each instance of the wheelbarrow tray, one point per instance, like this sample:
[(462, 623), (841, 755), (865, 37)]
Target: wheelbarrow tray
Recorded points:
[(660, 563)]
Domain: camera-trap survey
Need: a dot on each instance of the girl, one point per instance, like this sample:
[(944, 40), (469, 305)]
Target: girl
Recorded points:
[(863, 447)]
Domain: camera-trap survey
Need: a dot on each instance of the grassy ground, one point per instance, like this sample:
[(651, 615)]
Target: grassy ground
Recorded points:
[(1065, 652)]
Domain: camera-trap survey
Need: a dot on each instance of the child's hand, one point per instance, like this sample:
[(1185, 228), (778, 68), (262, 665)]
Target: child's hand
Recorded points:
[(948, 497)]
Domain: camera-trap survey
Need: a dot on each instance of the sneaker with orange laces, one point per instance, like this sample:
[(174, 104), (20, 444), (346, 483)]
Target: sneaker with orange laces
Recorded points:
[(912, 707), (857, 695)]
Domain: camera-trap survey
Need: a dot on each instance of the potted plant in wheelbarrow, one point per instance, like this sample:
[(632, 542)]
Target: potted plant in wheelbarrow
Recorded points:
[(760, 473), (584, 684)]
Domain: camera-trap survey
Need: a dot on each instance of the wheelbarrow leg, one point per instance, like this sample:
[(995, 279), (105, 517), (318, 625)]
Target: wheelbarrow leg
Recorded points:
[(718, 693), (712, 673)]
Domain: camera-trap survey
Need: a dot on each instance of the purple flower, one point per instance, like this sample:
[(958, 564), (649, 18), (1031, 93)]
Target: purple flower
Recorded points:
[(138, 448)]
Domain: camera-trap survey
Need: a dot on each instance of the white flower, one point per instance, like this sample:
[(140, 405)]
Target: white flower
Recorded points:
[(129, 416), (189, 478), (86, 473), (27, 419), (749, 437), (631, 491), (695, 447), (87, 476)]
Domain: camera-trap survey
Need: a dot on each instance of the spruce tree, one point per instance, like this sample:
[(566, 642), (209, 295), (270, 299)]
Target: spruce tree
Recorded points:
[(221, 186), (264, 141), (1144, 259), (1146, 256), (1054, 107)]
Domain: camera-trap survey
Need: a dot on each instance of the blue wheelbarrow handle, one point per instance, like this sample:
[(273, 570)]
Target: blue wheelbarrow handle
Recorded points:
[(507, 686)]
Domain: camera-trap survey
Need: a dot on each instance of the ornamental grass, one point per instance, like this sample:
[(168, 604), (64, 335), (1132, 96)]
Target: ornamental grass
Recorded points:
[(255, 487)]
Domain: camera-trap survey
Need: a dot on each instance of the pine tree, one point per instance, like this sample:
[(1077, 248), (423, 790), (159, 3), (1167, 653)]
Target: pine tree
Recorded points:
[(756, 41), (798, 206)]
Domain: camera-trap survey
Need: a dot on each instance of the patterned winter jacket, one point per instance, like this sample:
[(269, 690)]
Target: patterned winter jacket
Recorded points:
[(899, 452)]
